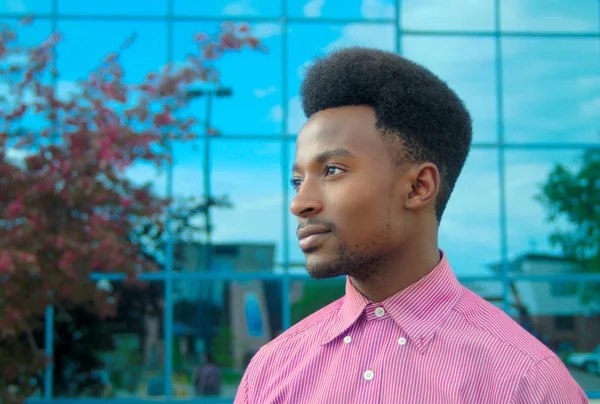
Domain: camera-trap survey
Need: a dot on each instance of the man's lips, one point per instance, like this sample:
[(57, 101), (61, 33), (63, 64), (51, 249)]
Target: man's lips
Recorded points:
[(309, 242), (311, 235)]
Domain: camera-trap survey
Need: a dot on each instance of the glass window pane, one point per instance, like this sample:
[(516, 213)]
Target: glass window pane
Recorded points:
[(309, 295), (237, 8), (565, 317), (551, 89), (540, 183), (468, 66), (347, 9), (462, 15), (26, 6), (113, 7), (98, 38), (254, 77), (218, 326), (249, 174), (120, 356), (310, 41), (549, 16), (469, 231)]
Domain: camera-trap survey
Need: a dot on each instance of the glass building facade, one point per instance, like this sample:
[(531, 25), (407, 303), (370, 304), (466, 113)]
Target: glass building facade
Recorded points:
[(529, 72)]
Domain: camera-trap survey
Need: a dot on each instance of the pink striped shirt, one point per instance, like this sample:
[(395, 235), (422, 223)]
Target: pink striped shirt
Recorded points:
[(433, 342)]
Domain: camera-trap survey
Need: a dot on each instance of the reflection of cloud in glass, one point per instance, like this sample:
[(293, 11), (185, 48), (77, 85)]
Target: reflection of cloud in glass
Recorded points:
[(468, 66), (549, 87), (526, 172), (549, 16), (463, 15), (313, 8)]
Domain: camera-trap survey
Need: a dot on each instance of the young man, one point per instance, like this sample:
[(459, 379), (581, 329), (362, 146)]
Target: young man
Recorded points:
[(375, 166)]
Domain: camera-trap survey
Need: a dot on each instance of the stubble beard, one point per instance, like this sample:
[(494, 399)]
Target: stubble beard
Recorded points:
[(355, 263)]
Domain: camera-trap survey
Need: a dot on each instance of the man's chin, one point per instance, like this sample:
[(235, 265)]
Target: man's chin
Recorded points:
[(319, 268)]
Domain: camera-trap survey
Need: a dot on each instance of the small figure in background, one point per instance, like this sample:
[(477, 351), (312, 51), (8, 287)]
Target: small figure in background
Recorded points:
[(207, 377)]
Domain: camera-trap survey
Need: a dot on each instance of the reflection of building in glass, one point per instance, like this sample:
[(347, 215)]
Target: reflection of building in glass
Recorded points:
[(250, 311), (556, 312), (234, 257)]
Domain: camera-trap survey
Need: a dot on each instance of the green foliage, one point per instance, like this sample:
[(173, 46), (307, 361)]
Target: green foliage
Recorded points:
[(222, 347), (574, 197), (315, 296)]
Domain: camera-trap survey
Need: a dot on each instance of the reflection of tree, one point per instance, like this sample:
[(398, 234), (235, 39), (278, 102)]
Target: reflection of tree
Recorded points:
[(574, 197), (80, 338), (315, 295)]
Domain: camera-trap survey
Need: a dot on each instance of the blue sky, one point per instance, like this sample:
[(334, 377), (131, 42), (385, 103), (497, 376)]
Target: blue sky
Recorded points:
[(551, 94)]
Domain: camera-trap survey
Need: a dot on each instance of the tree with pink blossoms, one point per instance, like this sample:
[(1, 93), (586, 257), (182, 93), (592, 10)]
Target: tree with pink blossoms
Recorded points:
[(67, 207)]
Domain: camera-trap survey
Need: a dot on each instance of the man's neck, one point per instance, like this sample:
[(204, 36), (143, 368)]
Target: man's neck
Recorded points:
[(399, 273)]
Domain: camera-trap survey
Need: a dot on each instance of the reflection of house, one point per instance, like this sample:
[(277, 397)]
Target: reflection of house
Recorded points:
[(235, 257), (251, 309), (555, 312)]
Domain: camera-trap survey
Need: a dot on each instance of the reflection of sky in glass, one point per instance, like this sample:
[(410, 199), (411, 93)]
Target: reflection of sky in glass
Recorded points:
[(254, 77), (254, 189), (549, 15), (551, 90), (526, 172), (467, 65), (112, 7), (99, 38), (359, 9), (315, 40), (440, 15), (225, 8)]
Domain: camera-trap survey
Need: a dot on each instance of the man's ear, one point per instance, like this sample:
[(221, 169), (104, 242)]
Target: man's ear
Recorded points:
[(424, 181)]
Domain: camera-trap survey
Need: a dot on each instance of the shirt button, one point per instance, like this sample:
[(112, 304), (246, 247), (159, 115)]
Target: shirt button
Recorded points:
[(369, 375), (379, 312), (402, 341), (348, 339)]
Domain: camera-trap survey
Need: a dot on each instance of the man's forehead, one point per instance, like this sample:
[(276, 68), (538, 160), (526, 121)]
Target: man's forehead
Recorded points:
[(335, 131)]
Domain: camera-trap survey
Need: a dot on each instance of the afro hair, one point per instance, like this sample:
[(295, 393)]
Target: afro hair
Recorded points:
[(410, 103)]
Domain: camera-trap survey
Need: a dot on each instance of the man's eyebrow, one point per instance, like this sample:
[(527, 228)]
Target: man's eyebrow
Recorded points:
[(326, 155)]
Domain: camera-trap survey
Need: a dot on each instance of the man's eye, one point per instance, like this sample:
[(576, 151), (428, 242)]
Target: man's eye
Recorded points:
[(332, 170), (295, 182)]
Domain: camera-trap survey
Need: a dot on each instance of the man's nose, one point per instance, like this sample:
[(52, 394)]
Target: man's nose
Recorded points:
[(306, 203)]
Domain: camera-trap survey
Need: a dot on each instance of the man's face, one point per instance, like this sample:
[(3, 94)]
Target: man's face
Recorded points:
[(347, 204)]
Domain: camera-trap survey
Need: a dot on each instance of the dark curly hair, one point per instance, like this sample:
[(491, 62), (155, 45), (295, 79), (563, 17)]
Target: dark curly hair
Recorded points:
[(417, 113)]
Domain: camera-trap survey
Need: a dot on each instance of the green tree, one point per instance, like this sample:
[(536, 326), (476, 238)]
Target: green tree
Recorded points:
[(573, 197)]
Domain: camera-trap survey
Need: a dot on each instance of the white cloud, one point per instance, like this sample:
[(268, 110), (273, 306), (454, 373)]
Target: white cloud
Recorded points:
[(313, 8), (555, 16), (16, 157), (64, 88), (263, 92), (16, 6), (441, 14), (276, 114), (377, 9), (241, 7), (590, 108), (264, 31), (296, 117)]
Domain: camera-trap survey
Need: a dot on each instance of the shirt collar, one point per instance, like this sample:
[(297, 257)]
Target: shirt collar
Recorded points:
[(419, 309)]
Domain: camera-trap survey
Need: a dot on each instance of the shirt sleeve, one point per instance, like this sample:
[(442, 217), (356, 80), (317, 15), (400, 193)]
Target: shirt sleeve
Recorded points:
[(548, 382)]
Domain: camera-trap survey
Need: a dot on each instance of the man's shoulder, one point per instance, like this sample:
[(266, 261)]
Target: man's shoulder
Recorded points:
[(504, 331)]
